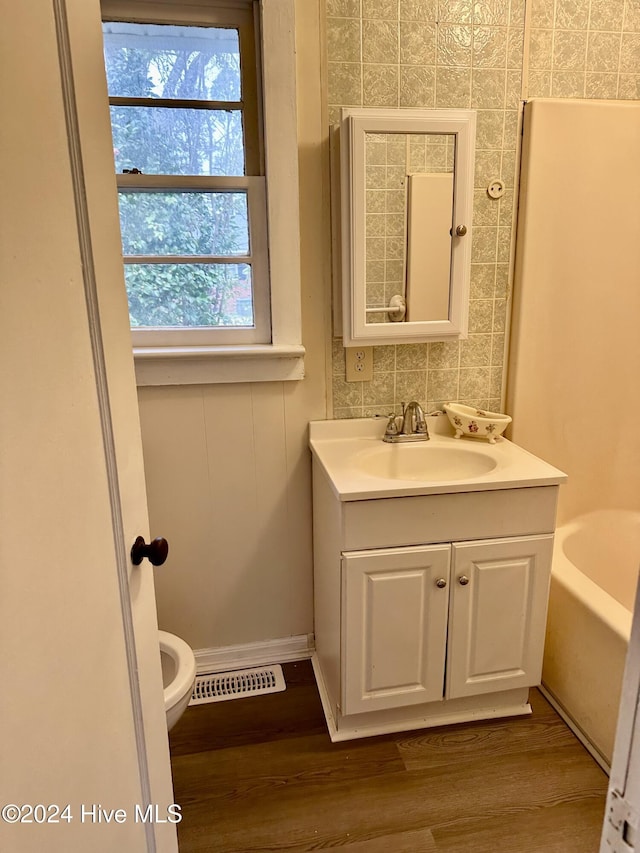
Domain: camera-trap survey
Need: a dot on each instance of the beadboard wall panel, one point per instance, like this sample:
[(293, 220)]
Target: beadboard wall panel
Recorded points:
[(221, 491)]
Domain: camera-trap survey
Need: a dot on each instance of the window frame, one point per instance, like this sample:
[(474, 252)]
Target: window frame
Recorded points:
[(192, 358), (257, 258)]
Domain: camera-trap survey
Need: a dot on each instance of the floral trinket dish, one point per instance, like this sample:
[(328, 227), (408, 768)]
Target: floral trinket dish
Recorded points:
[(476, 423)]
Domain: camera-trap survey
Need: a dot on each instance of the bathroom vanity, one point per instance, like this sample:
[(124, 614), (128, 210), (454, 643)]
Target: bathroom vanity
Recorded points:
[(431, 576)]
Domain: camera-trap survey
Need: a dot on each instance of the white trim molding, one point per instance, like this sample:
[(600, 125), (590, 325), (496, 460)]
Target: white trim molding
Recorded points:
[(68, 48), (249, 655), (204, 365)]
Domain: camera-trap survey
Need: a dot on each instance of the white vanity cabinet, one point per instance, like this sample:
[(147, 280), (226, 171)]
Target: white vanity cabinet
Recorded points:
[(430, 595), (497, 619), (437, 622), (395, 612)]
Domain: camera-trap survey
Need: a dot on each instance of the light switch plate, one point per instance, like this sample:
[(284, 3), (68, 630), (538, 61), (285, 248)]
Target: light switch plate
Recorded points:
[(359, 362)]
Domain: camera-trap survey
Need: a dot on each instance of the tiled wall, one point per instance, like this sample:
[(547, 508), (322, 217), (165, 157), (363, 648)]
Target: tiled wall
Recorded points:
[(469, 53), (582, 49), (455, 53)]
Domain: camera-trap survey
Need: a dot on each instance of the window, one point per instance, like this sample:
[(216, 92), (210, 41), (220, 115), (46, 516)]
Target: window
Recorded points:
[(189, 123)]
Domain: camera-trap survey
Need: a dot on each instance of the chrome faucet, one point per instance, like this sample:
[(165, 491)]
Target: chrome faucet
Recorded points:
[(409, 426)]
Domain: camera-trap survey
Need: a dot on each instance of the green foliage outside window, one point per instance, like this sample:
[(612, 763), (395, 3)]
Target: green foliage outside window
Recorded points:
[(187, 63)]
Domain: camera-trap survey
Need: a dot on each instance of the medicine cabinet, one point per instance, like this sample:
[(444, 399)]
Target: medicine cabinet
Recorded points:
[(406, 206)]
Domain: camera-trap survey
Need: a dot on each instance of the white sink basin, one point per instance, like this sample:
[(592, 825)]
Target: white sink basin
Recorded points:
[(360, 466), (425, 462)]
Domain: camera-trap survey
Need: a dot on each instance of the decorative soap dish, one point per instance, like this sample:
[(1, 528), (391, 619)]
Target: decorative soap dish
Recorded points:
[(476, 423)]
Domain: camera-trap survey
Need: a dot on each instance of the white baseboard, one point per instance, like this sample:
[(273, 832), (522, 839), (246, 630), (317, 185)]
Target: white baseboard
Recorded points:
[(251, 655)]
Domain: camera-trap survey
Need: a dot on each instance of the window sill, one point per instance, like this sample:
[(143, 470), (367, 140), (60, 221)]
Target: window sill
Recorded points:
[(209, 365)]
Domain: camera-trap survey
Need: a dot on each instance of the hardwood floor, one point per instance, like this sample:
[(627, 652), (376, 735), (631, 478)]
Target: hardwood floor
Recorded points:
[(260, 774)]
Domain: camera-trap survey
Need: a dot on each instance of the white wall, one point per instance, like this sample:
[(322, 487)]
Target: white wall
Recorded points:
[(227, 466)]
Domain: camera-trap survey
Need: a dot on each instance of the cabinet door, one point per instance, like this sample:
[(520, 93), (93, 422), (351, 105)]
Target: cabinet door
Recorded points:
[(394, 626), (498, 614)]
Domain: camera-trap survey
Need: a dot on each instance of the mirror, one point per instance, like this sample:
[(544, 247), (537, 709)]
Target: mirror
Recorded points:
[(407, 194)]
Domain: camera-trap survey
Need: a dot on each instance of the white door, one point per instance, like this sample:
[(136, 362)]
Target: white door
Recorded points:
[(394, 626), (621, 829), (498, 614), (83, 739)]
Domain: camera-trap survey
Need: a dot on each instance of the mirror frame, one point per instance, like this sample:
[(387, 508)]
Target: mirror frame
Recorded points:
[(355, 124)]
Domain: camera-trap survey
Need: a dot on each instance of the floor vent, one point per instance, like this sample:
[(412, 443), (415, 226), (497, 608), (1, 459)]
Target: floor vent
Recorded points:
[(220, 686)]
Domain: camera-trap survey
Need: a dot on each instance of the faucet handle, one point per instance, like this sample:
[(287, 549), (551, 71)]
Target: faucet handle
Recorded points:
[(392, 425), (421, 423), (421, 426)]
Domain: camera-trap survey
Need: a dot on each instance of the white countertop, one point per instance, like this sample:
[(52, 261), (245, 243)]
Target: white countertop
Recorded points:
[(342, 447)]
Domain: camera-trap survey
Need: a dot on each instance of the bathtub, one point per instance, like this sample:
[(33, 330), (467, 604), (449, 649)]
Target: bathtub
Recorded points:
[(593, 581)]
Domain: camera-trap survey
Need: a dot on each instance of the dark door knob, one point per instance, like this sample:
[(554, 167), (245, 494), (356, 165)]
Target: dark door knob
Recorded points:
[(156, 551)]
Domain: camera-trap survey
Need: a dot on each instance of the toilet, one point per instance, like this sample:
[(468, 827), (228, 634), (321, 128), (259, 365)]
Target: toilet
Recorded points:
[(178, 675)]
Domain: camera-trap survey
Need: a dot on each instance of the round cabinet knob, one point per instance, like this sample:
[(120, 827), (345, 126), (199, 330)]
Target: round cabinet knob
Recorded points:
[(441, 583), (463, 580), (156, 551), (461, 230)]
